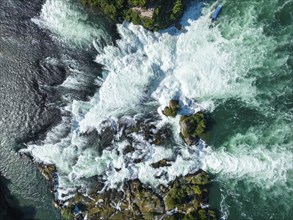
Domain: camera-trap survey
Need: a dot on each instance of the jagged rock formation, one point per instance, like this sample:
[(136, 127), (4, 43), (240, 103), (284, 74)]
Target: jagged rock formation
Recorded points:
[(183, 198)]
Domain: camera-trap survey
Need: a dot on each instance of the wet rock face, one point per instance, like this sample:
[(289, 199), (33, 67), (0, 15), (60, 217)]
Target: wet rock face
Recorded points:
[(161, 163), (174, 104), (192, 126), (147, 128), (107, 133), (187, 194)]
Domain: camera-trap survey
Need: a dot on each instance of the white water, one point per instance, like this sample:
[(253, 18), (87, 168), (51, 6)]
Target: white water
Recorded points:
[(146, 70), (68, 23)]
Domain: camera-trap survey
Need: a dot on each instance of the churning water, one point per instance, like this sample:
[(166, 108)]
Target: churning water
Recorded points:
[(239, 69)]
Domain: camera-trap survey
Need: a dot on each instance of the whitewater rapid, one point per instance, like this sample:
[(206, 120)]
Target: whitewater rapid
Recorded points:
[(202, 67)]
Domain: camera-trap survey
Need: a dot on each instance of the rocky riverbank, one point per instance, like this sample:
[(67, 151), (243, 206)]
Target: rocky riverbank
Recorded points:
[(151, 14), (184, 198)]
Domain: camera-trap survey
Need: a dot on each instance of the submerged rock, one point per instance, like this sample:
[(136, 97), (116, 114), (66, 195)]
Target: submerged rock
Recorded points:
[(192, 126), (128, 149), (161, 163), (186, 194), (7, 211)]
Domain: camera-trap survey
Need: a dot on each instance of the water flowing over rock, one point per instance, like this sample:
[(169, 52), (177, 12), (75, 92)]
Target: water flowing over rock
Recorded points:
[(183, 198)]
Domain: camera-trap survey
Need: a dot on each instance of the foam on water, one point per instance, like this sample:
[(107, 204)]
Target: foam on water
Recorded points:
[(262, 167), (203, 67), (163, 66), (255, 167), (146, 66), (65, 19)]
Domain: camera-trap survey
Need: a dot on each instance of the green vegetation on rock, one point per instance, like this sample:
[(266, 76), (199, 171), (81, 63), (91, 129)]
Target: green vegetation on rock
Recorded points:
[(193, 126), (67, 213), (171, 110), (186, 193), (141, 3), (139, 201), (152, 14)]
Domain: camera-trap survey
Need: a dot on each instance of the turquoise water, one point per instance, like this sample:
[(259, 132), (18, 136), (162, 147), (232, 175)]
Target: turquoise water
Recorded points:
[(238, 68), (262, 127)]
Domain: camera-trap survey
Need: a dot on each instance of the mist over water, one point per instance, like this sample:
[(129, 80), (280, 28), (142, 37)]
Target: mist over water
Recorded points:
[(239, 69)]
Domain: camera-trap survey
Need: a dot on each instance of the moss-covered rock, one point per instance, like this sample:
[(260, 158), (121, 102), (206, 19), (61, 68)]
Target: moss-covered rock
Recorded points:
[(148, 202), (47, 170), (67, 213), (192, 126), (202, 178), (171, 110), (174, 104), (187, 193), (182, 197)]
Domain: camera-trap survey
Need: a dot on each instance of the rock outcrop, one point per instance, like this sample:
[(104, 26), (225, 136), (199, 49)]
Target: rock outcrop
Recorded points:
[(152, 14), (193, 126), (183, 198), (171, 110)]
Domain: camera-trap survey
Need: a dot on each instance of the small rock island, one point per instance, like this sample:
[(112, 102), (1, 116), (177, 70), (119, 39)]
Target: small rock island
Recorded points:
[(151, 14)]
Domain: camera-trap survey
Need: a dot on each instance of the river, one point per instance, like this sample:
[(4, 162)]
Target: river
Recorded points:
[(65, 77)]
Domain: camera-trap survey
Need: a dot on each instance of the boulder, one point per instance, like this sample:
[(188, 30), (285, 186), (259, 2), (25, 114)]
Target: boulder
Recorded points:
[(171, 110), (188, 194), (174, 104), (192, 126), (182, 196), (161, 163), (128, 149)]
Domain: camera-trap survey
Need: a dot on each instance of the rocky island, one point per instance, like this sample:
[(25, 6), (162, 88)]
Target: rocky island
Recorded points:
[(186, 197), (152, 14)]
